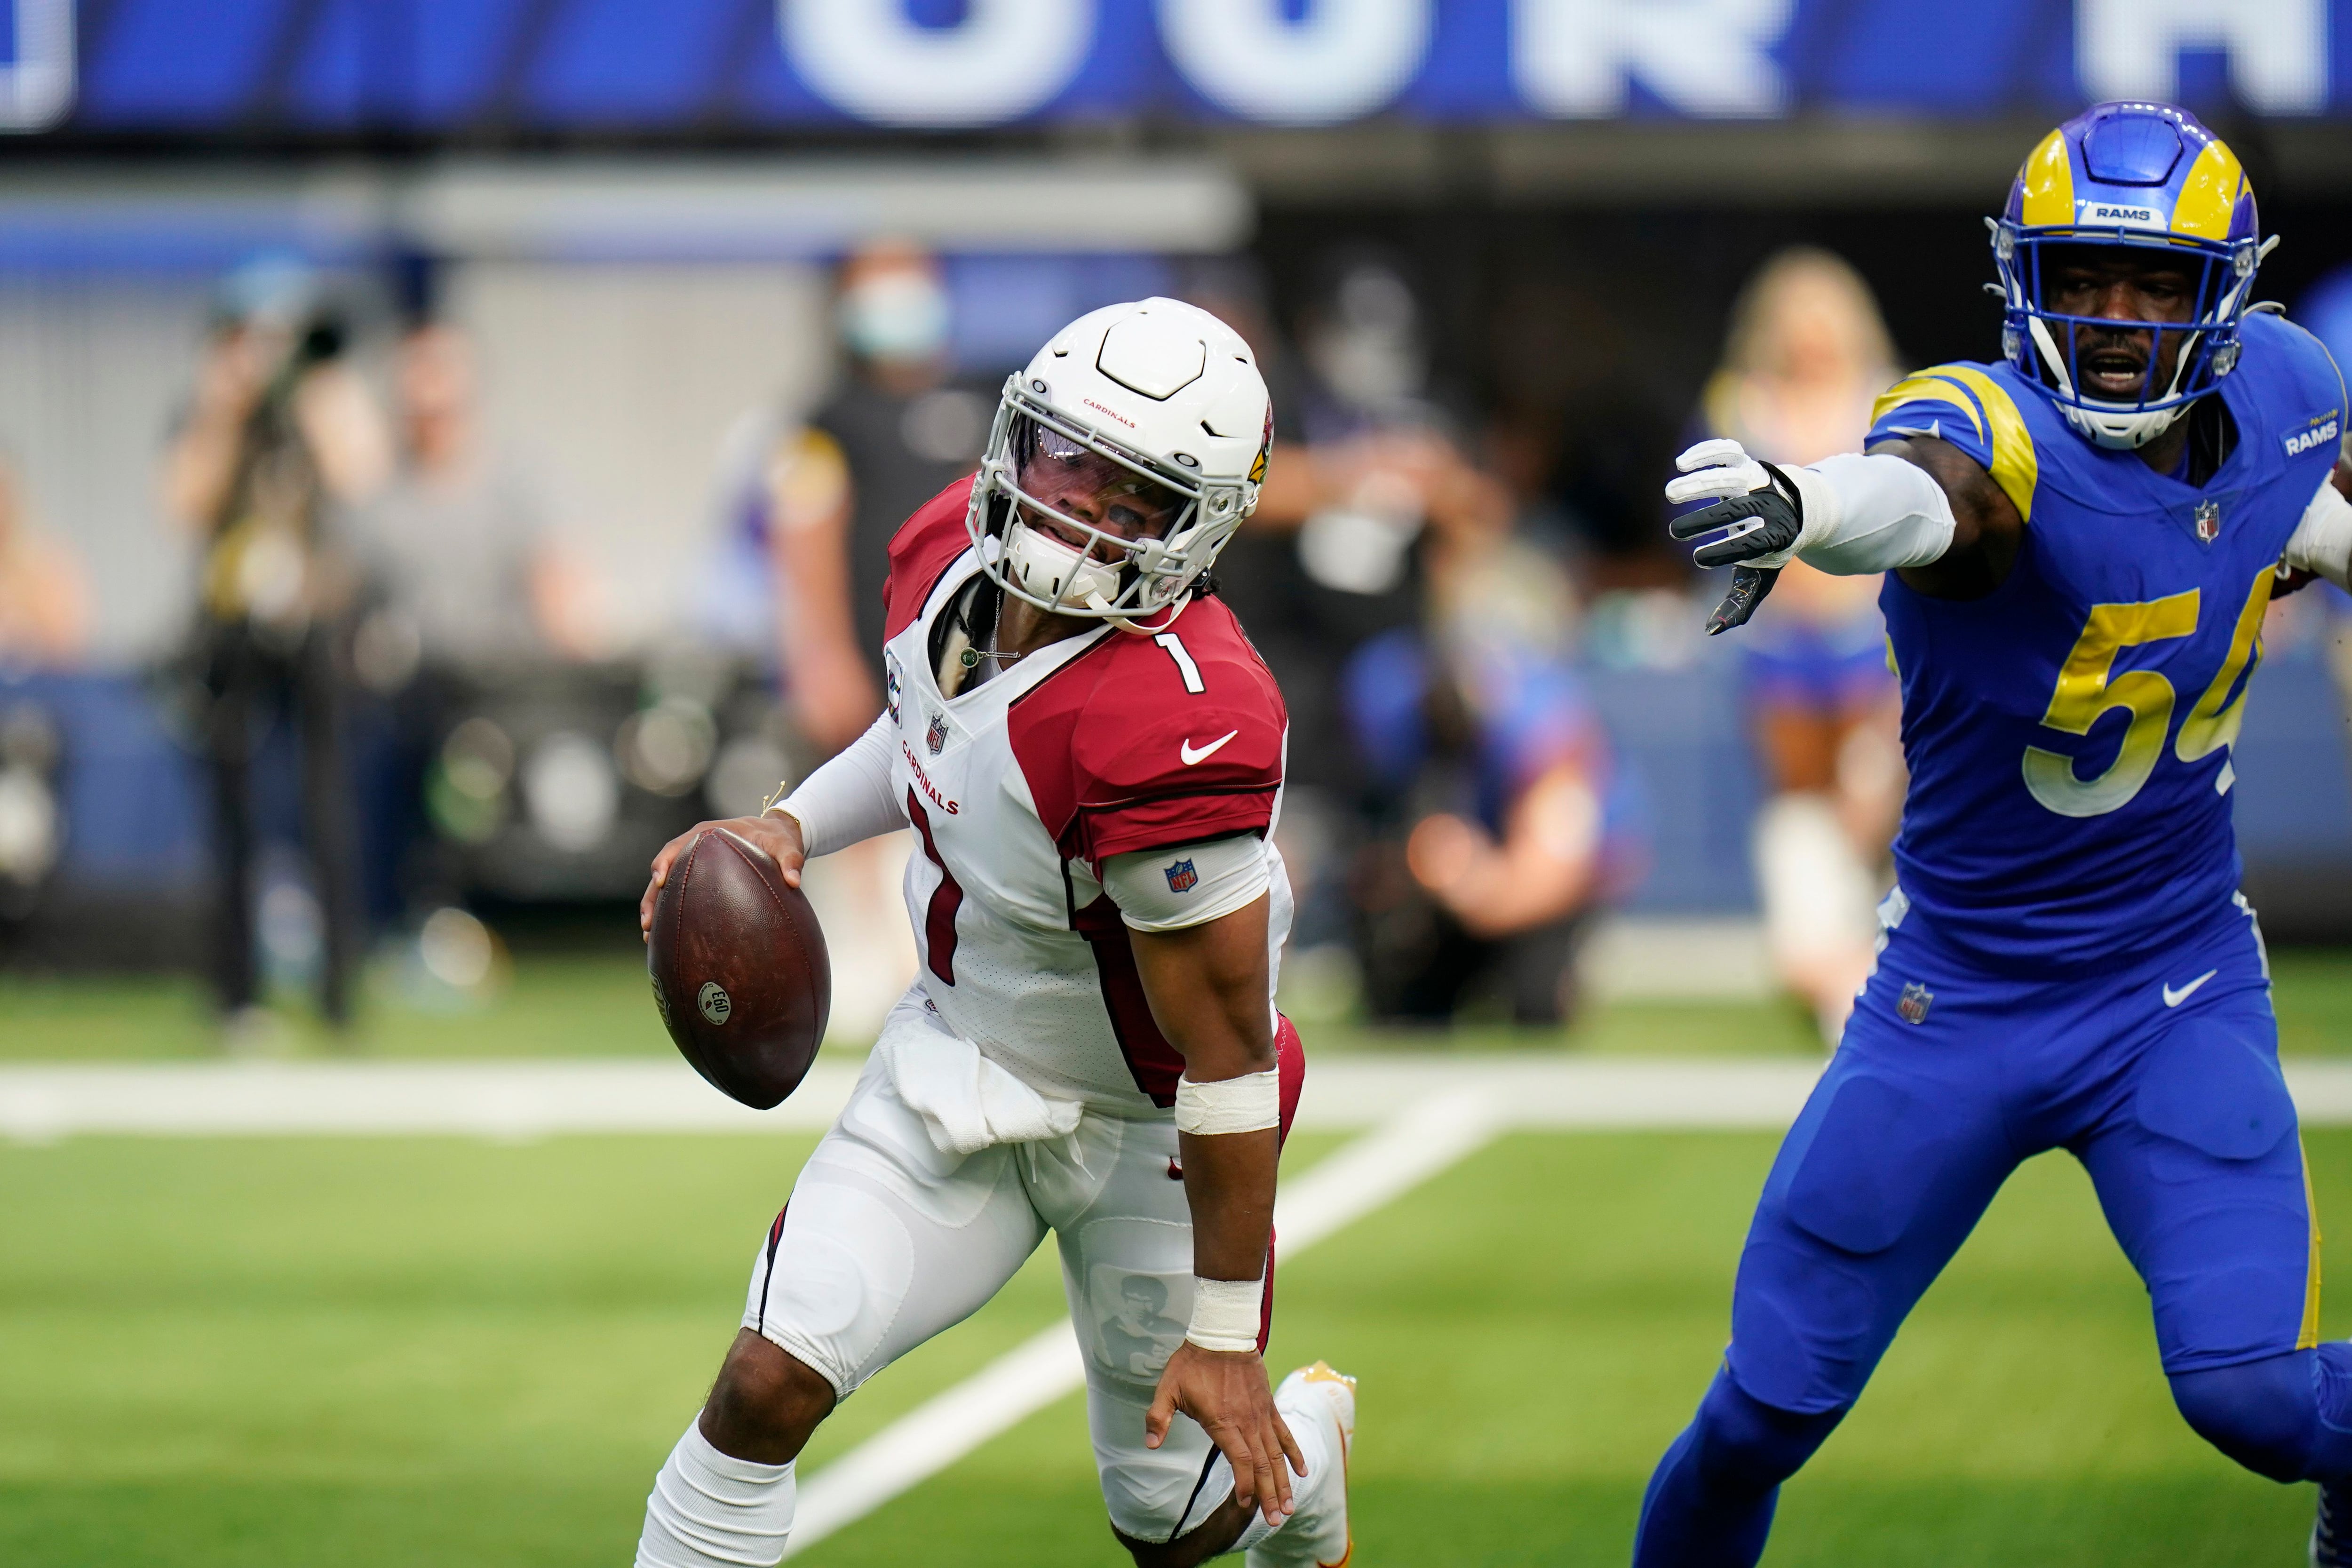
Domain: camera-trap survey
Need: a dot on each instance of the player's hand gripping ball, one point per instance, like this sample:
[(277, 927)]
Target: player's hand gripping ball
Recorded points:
[(738, 960)]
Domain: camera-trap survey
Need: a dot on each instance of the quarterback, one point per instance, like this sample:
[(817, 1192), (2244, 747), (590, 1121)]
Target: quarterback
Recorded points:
[(1090, 755), (2080, 541)]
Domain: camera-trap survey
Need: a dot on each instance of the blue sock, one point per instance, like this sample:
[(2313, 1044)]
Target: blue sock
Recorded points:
[(2288, 1417), (1710, 1503)]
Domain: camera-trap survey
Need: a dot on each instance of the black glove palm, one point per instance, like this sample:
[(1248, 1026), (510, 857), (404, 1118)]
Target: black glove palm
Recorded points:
[(1761, 523)]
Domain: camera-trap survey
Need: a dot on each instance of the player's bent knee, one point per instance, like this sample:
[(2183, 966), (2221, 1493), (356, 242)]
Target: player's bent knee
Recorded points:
[(764, 1403), (2263, 1414), (1746, 1445), (1211, 1538)]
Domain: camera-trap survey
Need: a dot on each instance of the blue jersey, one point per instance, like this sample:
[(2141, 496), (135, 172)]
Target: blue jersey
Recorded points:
[(2069, 734)]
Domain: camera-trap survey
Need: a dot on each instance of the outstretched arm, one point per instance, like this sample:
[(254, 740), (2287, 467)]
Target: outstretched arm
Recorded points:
[(1917, 505), (1208, 985), (1987, 527), (2322, 543)]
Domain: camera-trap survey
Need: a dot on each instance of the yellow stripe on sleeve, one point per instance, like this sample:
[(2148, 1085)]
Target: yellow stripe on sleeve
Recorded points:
[(2015, 468), (1928, 386)]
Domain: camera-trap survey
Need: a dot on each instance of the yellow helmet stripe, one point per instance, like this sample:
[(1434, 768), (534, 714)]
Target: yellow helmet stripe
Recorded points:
[(2209, 195), (2048, 179)]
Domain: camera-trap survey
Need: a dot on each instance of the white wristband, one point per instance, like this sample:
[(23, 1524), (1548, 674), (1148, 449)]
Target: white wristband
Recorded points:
[(1249, 1103), (1226, 1314)]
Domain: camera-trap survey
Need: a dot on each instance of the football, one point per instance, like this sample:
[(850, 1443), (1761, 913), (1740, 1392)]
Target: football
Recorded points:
[(740, 971)]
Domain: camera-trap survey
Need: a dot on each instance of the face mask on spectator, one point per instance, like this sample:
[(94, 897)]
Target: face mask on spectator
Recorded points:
[(896, 316)]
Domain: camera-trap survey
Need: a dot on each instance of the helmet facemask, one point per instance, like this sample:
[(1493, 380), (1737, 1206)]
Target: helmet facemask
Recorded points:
[(1150, 528), (2046, 343)]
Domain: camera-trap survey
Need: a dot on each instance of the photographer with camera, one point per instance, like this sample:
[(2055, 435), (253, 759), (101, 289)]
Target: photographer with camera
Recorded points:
[(281, 434)]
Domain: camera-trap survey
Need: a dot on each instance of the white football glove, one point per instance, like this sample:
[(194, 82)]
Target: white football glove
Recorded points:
[(1757, 515)]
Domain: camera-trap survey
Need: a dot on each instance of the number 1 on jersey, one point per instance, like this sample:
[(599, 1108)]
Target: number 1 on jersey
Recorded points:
[(1184, 665)]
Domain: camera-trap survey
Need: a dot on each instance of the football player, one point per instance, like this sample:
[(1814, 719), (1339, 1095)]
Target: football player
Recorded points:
[(1090, 753), (2080, 540)]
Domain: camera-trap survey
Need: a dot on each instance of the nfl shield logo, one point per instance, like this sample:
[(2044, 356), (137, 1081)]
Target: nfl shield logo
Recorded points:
[(1915, 1002), (937, 735), (2209, 521), (1182, 877)]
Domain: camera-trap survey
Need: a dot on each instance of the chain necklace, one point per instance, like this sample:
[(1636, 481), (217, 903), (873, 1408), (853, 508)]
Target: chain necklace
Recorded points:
[(972, 655)]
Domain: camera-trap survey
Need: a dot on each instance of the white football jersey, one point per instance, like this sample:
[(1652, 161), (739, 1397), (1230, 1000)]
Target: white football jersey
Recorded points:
[(1020, 788)]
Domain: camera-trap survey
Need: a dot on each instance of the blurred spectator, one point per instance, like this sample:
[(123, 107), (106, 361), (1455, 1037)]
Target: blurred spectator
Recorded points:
[(1362, 458), (460, 538), (1503, 821), (815, 502), (280, 439), (44, 604), (893, 434), (462, 578), (1806, 357)]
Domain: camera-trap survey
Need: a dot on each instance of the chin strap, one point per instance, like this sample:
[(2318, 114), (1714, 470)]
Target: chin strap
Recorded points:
[(1127, 624)]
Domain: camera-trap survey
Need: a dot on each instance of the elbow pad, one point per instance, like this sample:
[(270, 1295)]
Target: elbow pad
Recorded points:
[(1871, 514), (2322, 540)]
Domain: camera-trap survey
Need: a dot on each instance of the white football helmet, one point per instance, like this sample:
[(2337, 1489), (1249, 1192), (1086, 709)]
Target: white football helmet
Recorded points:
[(1157, 393)]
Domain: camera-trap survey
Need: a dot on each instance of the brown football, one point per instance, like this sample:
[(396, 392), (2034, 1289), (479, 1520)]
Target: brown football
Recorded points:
[(740, 970)]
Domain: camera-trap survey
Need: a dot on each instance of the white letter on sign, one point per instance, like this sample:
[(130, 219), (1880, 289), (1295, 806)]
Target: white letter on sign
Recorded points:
[(1575, 58), (1003, 60), (2277, 48), (1347, 59)]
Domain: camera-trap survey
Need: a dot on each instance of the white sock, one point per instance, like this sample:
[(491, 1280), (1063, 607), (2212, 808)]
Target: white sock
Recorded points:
[(709, 1509), (1311, 1494)]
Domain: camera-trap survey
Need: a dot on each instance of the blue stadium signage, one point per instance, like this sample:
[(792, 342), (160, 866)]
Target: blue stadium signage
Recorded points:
[(672, 67)]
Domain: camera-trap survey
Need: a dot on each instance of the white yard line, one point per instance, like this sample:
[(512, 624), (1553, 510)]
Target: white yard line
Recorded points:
[(1383, 1164), (523, 1099)]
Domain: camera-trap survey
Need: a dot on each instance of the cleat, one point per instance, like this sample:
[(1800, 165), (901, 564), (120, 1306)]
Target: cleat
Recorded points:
[(2331, 1532), (1327, 1397)]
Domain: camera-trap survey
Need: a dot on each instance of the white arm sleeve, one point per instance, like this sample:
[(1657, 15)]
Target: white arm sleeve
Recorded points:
[(1167, 890), (2322, 540), (848, 800), (1871, 514)]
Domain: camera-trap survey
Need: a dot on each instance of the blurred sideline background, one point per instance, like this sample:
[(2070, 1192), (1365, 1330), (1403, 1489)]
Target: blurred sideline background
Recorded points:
[(447, 447), (637, 320)]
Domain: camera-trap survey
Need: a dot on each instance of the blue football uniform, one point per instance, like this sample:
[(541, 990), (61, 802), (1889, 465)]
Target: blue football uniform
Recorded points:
[(2066, 962)]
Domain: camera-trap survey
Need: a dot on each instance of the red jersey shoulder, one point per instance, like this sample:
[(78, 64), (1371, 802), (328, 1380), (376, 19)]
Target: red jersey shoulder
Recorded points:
[(925, 545), (1147, 741)]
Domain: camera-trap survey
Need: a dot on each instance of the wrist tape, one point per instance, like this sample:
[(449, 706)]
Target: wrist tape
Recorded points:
[(1226, 1314), (1249, 1103)]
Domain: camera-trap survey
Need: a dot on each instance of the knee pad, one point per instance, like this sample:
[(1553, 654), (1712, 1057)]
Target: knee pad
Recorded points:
[(1744, 1445), (2265, 1414)]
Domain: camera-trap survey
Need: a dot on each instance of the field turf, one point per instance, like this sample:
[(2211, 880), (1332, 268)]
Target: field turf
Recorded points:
[(407, 1351), (597, 1004)]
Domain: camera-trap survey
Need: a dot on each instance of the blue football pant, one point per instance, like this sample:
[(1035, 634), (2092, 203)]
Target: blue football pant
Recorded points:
[(2164, 1085)]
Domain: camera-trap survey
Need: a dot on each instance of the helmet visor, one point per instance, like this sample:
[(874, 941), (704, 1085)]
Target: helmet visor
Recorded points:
[(1063, 481)]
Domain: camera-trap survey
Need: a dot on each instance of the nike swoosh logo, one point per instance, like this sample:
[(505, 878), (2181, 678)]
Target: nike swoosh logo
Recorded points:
[(2175, 998), (1205, 753)]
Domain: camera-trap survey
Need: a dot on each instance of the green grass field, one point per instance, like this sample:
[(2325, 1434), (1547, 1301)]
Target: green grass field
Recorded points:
[(597, 1004), (404, 1352), (411, 1351)]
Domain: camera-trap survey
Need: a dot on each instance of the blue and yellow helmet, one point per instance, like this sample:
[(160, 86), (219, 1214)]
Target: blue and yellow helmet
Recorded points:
[(2140, 174)]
